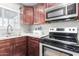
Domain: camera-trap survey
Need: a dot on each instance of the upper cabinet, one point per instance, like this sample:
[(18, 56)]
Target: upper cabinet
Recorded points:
[(35, 14), (48, 5), (27, 16), (39, 14)]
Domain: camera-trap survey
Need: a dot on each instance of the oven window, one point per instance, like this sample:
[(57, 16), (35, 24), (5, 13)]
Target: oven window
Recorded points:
[(47, 51)]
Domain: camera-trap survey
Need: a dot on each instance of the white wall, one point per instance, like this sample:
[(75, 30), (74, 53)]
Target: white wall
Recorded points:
[(12, 6), (25, 28), (46, 26)]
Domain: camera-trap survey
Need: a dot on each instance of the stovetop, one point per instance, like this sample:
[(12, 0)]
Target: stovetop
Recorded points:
[(61, 41), (60, 44)]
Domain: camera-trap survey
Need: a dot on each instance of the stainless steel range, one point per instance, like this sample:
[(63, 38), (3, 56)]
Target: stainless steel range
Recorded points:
[(60, 42)]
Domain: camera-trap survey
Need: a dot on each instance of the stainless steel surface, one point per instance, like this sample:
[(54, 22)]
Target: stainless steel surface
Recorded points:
[(59, 38), (66, 11), (67, 35), (56, 13), (53, 39), (70, 52), (53, 52), (65, 30)]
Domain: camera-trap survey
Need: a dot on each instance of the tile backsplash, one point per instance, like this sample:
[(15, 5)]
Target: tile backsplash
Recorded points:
[(26, 28), (45, 27)]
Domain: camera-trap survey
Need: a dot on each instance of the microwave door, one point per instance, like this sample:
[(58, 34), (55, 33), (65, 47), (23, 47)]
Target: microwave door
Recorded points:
[(55, 13)]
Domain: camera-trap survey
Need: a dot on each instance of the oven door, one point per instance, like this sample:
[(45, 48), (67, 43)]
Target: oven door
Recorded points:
[(48, 51)]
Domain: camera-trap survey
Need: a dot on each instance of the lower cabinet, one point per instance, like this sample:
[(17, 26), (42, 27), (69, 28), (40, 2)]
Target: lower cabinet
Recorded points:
[(33, 51), (21, 46), (33, 46), (20, 51), (5, 48)]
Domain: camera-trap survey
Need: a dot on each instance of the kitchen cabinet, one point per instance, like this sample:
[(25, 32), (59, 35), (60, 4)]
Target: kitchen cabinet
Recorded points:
[(48, 5), (39, 14), (26, 15), (36, 14), (33, 46), (14, 47), (5, 48), (33, 15), (20, 48)]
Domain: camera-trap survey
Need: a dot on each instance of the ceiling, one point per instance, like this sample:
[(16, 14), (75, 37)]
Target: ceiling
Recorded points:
[(29, 4)]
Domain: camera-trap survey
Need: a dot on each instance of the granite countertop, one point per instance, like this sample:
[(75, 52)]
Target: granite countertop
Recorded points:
[(23, 34)]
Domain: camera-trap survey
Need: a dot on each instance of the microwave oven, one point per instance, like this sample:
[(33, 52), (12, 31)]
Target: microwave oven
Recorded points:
[(62, 11)]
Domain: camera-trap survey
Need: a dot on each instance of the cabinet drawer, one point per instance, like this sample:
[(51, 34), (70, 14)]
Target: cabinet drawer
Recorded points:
[(32, 43), (21, 43), (20, 39), (36, 42), (4, 43), (21, 47), (34, 39)]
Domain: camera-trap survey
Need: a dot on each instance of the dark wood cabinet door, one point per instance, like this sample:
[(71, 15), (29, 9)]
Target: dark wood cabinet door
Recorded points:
[(20, 46), (5, 48), (27, 16), (33, 46), (37, 51), (20, 50), (33, 51), (39, 14), (48, 5)]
